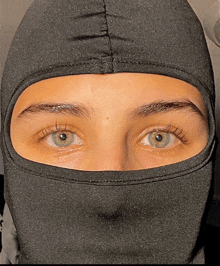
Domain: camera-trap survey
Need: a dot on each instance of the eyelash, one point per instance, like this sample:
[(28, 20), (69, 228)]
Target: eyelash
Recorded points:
[(171, 130), (50, 130), (168, 129)]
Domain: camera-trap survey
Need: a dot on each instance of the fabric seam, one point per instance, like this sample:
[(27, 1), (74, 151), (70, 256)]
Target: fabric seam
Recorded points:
[(94, 61), (107, 29)]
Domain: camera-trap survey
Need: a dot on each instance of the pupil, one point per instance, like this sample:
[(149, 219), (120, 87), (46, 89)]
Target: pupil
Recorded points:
[(159, 137), (63, 136)]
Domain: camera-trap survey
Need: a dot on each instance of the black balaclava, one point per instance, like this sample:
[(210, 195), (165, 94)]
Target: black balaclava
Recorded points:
[(73, 216)]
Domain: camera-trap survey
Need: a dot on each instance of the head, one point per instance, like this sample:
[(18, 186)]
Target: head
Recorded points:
[(123, 121), (108, 127)]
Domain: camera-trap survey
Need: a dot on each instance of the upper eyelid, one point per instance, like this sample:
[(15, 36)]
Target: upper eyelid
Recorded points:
[(166, 129), (58, 128), (162, 128), (51, 130)]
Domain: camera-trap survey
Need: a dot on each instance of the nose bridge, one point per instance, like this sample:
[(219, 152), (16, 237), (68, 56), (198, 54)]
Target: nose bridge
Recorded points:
[(109, 151), (111, 156)]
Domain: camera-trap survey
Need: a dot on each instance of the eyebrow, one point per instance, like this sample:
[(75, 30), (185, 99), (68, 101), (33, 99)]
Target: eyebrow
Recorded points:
[(82, 111), (163, 107), (77, 110)]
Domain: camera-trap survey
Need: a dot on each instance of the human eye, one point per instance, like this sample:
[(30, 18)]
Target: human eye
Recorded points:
[(60, 137), (164, 137)]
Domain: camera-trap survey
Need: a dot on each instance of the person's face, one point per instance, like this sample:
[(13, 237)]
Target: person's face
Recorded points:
[(125, 121)]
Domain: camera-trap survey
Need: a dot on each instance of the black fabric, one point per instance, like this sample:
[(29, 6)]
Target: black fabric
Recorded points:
[(72, 37), (214, 213), (212, 255), (71, 216), (1, 194), (2, 202)]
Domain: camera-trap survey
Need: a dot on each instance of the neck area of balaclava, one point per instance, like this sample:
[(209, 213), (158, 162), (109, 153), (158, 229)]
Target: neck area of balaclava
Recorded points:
[(71, 216)]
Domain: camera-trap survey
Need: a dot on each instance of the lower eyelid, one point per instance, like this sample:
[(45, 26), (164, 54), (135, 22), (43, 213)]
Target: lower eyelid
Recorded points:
[(43, 134), (169, 151)]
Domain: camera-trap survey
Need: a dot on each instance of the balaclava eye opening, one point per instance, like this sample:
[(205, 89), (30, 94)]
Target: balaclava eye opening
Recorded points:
[(71, 216)]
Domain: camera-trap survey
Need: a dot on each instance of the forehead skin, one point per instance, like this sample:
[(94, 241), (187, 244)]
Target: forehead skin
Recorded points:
[(97, 90)]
